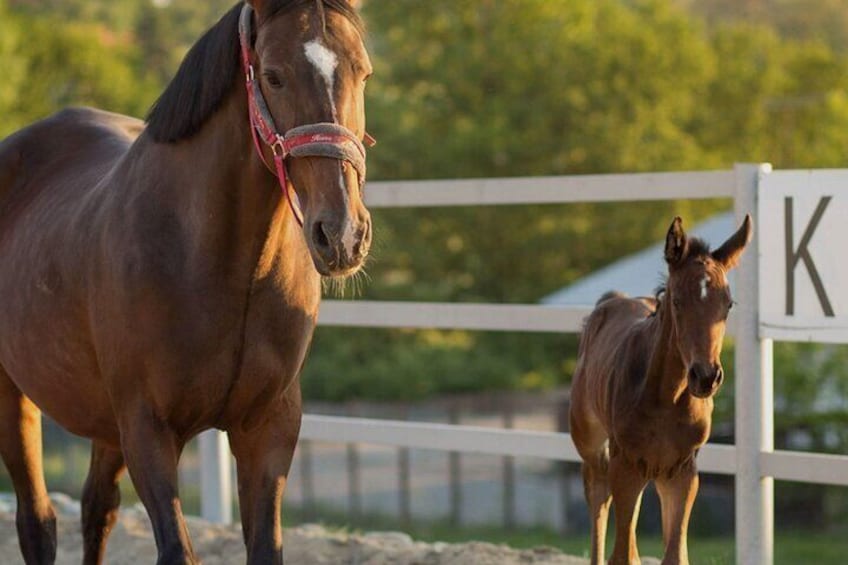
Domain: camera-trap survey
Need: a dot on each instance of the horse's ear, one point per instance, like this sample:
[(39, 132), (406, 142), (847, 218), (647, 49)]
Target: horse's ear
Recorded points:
[(355, 4), (255, 4), (730, 251), (676, 243)]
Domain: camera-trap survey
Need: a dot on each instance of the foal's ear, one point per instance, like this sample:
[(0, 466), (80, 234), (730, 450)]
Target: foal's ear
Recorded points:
[(676, 243), (728, 254)]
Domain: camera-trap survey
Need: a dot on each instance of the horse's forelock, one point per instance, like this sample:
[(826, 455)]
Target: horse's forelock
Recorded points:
[(273, 7)]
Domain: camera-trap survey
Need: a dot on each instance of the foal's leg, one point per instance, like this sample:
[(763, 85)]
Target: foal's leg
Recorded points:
[(597, 490), (263, 458), (20, 447), (152, 450), (677, 495), (101, 498), (626, 484)]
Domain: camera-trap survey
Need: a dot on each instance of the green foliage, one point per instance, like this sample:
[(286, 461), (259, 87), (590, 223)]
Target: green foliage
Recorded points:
[(475, 88)]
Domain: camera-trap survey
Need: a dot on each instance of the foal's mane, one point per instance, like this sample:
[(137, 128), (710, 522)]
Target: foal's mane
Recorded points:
[(209, 71)]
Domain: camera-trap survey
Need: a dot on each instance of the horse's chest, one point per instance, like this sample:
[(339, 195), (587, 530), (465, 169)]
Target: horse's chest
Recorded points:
[(277, 334), (660, 445)]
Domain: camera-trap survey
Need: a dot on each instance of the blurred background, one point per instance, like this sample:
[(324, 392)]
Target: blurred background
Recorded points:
[(494, 88)]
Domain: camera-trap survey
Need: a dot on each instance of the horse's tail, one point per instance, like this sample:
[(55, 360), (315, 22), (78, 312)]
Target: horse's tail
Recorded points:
[(609, 295)]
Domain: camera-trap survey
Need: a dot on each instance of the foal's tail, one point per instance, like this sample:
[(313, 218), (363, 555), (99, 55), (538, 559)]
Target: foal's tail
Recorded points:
[(610, 294)]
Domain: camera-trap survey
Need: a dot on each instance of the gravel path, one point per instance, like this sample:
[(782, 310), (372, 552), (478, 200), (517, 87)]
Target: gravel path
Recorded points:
[(132, 543)]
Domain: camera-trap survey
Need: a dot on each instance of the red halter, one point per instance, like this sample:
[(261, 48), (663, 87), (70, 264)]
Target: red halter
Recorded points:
[(312, 140)]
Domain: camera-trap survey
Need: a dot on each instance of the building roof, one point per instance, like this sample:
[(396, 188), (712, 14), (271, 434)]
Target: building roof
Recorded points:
[(638, 274)]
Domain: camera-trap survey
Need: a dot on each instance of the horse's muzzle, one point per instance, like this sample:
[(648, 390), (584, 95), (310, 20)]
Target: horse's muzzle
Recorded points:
[(704, 381), (340, 250)]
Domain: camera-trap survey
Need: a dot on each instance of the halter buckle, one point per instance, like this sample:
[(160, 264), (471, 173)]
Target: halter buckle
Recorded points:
[(278, 147)]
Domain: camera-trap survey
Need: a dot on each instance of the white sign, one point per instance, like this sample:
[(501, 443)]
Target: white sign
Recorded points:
[(803, 245)]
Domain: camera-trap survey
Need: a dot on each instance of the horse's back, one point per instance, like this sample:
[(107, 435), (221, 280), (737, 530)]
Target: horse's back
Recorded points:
[(49, 233), (603, 339), (614, 315), (71, 148)]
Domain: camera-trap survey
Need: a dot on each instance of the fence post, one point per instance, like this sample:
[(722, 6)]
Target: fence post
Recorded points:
[(455, 473), (509, 472), (754, 393), (404, 478), (307, 479), (216, 495)]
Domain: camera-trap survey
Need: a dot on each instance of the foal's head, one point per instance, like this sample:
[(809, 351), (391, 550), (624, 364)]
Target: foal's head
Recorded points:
[(312, 66), (699, 301)]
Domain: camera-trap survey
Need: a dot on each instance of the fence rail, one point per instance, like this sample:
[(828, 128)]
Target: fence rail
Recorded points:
[(752, 461), (552, 190), (440, 315)]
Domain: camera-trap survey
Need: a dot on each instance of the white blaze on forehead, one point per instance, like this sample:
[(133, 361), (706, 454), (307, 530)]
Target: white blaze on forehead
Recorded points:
[(704, 282), (325, 62)]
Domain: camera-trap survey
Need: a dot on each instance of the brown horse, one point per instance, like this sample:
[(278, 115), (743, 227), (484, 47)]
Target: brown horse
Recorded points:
[(157, 283), (641, 399)]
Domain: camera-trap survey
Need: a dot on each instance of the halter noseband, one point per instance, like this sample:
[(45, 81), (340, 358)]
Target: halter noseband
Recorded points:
[(313, 140)]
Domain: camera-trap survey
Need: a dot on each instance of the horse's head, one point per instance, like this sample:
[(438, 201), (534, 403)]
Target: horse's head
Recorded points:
[(311, 66), (699, 300)]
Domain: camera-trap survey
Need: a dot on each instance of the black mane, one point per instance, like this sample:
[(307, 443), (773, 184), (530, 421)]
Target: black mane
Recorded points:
[(209, 71)]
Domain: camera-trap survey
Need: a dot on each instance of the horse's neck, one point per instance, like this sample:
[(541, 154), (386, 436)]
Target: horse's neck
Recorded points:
[(231, 206), (666, 379)]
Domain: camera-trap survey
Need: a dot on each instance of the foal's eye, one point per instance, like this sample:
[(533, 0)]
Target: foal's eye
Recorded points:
[(676, 303), (273, 79)]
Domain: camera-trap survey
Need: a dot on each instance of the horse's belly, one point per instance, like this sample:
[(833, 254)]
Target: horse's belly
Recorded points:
[(55, 367)]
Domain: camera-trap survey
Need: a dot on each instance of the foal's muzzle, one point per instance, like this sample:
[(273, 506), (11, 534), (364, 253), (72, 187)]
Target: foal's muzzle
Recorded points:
[(705, 380)]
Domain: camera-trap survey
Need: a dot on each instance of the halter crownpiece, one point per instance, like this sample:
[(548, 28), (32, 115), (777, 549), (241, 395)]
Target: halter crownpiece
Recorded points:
[(323, 139)]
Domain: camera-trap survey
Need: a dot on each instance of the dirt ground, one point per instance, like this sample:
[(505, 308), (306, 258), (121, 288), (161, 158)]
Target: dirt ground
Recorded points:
[(132, 543)]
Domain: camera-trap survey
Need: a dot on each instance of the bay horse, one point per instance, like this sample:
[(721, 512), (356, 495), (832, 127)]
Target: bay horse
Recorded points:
[(157, 281), (642, 393)]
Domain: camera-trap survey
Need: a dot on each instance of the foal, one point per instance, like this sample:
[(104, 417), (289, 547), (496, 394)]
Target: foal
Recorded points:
[(641, 398)]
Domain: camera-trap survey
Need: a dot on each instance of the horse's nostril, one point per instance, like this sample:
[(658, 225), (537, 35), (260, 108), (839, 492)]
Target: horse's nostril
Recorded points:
[(319, 236)]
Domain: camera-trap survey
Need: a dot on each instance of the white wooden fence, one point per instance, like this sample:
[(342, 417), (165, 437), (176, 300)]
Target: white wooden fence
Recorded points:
[(753, 460)]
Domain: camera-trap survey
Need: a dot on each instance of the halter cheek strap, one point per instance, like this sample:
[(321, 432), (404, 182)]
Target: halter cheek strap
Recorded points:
[(323, 139)]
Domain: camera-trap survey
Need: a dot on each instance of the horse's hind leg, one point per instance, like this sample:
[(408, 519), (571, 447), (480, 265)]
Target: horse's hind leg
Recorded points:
[(597, 490), (20, 447), (101, 498)]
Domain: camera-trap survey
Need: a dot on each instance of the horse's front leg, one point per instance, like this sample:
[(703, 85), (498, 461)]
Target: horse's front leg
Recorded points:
[(263, 458), (152, 450), (626, 484), (677, 495)]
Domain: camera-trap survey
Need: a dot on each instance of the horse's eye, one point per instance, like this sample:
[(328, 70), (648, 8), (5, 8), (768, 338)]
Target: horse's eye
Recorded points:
[(366, 77), (273, 79), (676, 303)]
